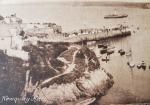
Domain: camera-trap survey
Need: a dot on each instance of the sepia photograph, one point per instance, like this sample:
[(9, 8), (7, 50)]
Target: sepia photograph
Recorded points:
[(74, 52)]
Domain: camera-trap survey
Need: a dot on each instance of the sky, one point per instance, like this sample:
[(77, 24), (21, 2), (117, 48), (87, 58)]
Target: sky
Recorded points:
[(38, 1)]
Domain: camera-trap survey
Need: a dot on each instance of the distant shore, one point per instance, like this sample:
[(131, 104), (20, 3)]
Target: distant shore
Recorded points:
[(131, 4)]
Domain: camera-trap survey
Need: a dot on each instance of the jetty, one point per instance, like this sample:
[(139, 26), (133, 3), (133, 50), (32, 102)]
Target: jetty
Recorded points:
[(89, 36), (99, 36)]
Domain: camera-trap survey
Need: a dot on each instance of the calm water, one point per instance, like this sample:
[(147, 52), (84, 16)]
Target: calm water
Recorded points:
[(76, 17)]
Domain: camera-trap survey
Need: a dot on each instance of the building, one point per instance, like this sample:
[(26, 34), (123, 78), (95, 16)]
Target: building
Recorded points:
[(39, 32), (12, 19), (1, 18)]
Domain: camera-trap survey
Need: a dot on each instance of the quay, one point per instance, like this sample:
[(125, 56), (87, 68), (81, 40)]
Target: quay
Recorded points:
[(72, 38)]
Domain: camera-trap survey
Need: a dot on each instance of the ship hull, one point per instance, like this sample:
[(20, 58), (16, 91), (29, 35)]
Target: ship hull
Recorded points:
[(120, 16)]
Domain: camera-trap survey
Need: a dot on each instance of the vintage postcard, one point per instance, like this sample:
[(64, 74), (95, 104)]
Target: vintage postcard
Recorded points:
[(74, 52)]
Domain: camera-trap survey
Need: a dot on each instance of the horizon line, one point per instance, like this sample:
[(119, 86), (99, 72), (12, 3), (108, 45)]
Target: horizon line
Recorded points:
[(4, 2)]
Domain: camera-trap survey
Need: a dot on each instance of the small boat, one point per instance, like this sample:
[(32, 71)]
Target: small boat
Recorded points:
[(109, 52), (121, 52), (90, 42), (131, 64), (139, 66), (105, 59), (110, 47), (129, 53), (105, 46), (142, 65), (103, 51), (100, 45), (115, 16)]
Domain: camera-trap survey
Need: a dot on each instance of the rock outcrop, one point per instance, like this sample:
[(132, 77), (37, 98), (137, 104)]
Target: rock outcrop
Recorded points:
[(80, 76)]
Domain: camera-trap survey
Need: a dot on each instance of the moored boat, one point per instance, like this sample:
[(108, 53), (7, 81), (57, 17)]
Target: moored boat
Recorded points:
[(131, 64), (142, 65), (121, 52), (109, 52), (103, 51), (100, 45), (105, 59)]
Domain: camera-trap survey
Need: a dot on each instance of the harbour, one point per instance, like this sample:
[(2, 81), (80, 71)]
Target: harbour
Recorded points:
[(126, 68)]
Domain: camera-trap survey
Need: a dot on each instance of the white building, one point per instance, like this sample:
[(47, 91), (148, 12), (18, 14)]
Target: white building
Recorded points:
[(40, 32), (12, 19)]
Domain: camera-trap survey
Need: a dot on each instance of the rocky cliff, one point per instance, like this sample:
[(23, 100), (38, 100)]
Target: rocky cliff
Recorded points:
[(73, 73)]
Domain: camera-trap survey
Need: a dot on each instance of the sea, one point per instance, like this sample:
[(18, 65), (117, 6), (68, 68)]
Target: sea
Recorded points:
[(74, 17)]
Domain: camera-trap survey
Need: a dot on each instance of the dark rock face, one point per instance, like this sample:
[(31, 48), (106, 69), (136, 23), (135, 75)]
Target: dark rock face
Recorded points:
[(83, 56), (43, 63), (13, 70), (12, 76)]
